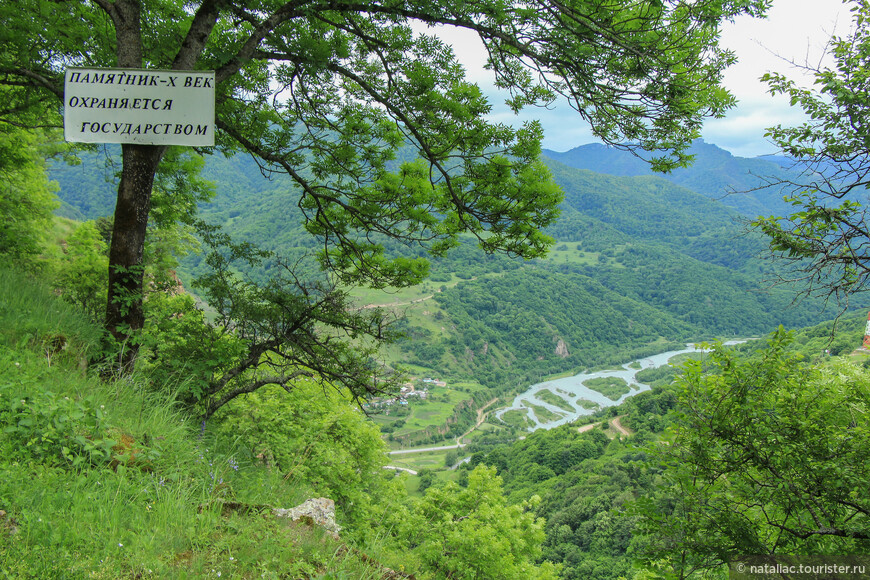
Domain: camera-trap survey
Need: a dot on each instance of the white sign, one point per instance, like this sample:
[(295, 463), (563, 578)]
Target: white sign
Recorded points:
[(146, 107)]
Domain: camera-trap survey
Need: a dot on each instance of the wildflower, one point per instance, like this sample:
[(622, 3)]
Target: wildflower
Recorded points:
[(120, 545), (233, 463)]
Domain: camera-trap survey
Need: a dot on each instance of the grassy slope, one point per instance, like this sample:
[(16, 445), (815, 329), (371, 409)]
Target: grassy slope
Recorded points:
[(67, 513)]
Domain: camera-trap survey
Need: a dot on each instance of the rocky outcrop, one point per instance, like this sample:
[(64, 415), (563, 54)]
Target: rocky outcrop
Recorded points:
[(8, 525), (318, 511), (562, 349)]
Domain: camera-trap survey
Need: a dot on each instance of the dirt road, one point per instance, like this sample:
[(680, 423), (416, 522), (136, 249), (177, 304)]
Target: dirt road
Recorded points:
[(619, 427), (481, 417), (615, 423)]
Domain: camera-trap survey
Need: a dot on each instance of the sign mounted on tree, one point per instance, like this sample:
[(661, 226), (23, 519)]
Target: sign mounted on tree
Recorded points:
[(145, 107)]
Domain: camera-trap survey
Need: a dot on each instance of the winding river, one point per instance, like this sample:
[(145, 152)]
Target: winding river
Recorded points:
[(572, 389)]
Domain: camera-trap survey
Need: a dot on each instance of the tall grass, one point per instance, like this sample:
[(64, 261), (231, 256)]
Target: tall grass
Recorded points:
[(112, 480), (31, 316)]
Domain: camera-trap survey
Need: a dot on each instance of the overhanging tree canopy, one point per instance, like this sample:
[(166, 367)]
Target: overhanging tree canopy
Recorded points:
[(826, 241), (326, 91), (756, 462)]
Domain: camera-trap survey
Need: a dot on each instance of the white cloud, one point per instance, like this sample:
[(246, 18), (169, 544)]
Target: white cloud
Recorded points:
[(742, 131), (795, 30)]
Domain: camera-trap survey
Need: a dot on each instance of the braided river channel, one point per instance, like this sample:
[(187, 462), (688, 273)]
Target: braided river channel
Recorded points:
[(573, 391)]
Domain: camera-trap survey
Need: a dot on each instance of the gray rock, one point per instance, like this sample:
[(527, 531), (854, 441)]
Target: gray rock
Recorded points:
[(318, 511)]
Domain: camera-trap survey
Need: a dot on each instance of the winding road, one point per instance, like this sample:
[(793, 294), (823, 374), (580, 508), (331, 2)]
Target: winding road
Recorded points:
[(481, 417), (424, 449), (615, 423)]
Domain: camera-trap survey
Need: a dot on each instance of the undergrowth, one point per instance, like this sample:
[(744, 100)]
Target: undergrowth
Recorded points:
[(108, 480)]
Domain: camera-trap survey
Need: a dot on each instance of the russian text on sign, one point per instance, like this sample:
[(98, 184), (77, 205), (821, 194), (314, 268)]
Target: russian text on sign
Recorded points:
[(146, 107)]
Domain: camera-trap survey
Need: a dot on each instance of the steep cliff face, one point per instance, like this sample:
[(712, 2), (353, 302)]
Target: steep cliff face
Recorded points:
[(562, 348)]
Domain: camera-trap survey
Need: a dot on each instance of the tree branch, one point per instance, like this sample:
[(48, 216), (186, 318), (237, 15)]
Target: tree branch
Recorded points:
[(197, 35), (250, 387), (38, 79)]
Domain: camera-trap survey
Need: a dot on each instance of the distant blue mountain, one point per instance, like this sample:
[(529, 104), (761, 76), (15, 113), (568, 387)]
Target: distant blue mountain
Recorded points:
[(738, 182)]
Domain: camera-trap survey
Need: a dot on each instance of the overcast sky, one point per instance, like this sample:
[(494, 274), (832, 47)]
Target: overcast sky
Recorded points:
[(794, 29)]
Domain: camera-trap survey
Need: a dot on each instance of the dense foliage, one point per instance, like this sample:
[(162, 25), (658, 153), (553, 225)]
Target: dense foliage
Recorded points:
[(823, 237), (767, 456), (197, 496), (587, 481), (26, 196), (326, 93)]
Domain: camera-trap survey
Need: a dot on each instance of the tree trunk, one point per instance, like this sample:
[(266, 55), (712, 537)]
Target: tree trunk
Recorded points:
[(125, 314), (124, 311)]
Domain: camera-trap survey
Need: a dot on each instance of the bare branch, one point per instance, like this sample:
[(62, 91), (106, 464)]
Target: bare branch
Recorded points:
[(214, 405)]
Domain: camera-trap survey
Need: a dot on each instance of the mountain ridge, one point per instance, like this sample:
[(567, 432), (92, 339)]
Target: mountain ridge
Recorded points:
[(656, 251), (738, 182)]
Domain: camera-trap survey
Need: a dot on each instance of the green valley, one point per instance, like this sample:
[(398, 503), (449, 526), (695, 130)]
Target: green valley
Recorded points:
[(293, 290), (639, 265), (480, 330)]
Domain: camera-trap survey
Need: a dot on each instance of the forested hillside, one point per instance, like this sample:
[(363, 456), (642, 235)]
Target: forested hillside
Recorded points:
[(319, 313), (738, 182), (613, 494), (636, 260)]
